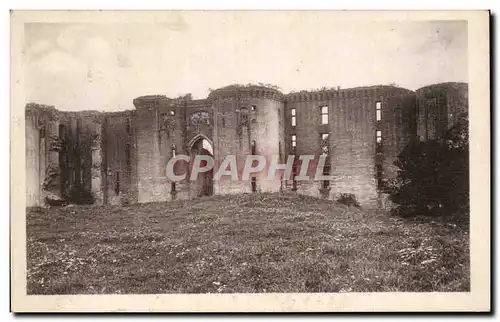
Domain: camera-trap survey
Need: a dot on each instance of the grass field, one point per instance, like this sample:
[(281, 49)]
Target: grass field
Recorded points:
[(239, 244)]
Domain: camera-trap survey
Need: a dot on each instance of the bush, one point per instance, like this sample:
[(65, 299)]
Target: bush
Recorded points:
[(433, 176), (348, 199)]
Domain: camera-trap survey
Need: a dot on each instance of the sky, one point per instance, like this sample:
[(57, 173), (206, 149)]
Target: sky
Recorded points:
[(105, 66)]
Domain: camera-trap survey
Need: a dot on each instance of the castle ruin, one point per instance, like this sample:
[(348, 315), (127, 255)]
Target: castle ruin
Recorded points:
[(121, 157)]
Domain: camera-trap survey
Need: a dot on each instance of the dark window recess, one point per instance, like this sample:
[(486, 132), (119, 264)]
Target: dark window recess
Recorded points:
[(324, 144), (294, 174), (326, 172), (254, 184), (380, 172), (254, 179), (117, 183), (127, 126), (62, 139), (62, 131), (62, 159), (378, 141), (254, 108), (223, 121), (127, 155), (280, 156), (172, 185)]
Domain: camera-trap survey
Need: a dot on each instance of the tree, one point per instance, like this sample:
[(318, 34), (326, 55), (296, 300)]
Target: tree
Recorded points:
[(433, 176)]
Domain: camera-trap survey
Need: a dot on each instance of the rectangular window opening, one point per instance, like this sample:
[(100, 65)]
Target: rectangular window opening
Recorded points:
[(117, 183), (294, 141), (379, 175), (128, 156), (127, 126), (280, 155), (324, 114), (324, 143), (326, 172), (295, 172), (254, 184), (378, 108)]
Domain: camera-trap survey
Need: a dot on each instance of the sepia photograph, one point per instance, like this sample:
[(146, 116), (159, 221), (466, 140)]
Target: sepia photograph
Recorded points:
[(184, 153)]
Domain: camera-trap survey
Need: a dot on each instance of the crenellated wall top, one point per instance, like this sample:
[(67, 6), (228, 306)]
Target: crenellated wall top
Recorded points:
[(246, 92), (356, 92)]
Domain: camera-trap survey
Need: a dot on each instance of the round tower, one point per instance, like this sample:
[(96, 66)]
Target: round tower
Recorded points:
[(247, 120)]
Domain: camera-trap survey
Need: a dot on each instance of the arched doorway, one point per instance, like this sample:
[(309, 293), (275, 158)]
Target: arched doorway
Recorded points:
[(204, 183)]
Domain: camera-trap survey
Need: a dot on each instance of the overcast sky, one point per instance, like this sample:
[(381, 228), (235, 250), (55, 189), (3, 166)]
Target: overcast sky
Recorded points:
[(105, 66)]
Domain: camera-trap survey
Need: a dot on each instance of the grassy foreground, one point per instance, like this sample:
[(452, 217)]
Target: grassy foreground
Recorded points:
[(240, 244)]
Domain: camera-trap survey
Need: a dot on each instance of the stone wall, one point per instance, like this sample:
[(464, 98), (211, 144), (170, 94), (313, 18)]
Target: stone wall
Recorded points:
[(42, 161), (439, 106), (121, 157), (247, 116), (160, 125), (149, 183), (398, 127), (80, 155), (351, 130), (231, 137), (119, 154)]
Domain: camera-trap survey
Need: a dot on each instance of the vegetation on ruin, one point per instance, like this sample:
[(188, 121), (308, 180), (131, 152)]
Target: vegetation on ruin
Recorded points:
[(241, 243), (244, 86), (314, 90), (42, 108), (184, 97), (433, 176)]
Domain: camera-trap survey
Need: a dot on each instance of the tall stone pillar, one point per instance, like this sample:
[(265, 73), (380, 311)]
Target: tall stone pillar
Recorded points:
[(42, 162), (96, 173), (32, 167)]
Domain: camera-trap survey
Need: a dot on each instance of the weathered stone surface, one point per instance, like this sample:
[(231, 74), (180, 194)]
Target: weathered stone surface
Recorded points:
[(121, 157)]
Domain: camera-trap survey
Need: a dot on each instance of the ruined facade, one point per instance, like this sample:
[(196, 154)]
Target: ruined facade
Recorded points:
[(121, 157), (439, 107)]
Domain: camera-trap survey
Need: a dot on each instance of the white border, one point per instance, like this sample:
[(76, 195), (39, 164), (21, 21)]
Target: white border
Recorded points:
[(477, 299)]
